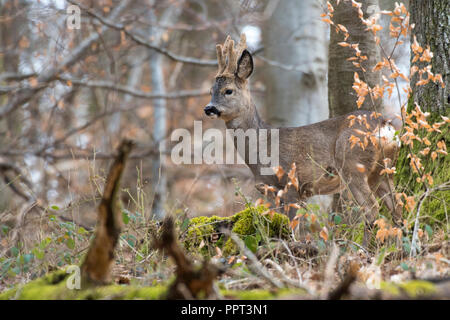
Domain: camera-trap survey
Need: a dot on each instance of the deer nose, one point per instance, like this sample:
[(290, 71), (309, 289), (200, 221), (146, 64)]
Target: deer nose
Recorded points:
[(210, 110)]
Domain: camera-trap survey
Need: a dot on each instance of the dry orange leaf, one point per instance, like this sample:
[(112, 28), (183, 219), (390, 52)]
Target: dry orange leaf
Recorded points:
[(360, 167), (279, 172), (324, 233), (294, 224)]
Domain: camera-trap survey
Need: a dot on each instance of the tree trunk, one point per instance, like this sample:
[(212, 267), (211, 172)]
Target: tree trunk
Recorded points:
[(432, 27), (341, 97), (295, 37), (160, 114)]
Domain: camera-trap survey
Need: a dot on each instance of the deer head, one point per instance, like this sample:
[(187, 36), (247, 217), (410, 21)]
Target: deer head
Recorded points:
[(230, 96)]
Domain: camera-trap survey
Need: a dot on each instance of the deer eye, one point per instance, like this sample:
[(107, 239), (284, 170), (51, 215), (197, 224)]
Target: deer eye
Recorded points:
[(228, 91)]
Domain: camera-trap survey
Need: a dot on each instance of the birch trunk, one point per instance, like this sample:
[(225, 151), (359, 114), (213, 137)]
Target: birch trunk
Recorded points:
[(295, 37), (160, 114)]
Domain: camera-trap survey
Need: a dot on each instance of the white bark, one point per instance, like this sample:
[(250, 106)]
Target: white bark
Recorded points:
[(160, 114), (295, 36), (296, 93)]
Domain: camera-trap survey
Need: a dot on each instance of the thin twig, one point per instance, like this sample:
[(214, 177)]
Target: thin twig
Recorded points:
[(255, 265)]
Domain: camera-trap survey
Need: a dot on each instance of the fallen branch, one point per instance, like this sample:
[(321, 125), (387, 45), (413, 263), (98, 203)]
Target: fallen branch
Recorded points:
[(255, 265), (343, 288), (192, 282)]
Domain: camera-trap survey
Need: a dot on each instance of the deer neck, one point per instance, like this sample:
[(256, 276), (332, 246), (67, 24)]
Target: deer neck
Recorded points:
[(249, 119)]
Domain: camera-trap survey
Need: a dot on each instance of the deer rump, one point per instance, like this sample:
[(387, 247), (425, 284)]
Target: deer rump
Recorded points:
[(328, 162), (371, 160)]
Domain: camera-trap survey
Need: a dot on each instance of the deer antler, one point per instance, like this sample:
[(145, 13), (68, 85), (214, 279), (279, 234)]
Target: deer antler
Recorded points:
[(227, 55)]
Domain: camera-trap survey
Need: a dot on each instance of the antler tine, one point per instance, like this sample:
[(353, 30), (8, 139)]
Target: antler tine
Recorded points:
[(221, 51), (220, 58), (231, 57), (242, 44), (227, 55)]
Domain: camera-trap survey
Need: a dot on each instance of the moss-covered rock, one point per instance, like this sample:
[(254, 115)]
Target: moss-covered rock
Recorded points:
[(204, 233)]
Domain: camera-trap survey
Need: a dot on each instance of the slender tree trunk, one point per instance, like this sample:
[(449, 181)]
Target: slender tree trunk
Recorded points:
[(159, 133), (160, 114), (341, 96), (295, 47), (295, 37)]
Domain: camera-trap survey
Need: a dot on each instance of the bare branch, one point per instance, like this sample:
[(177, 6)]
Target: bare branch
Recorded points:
[(120, 27), (182, 94), (255, 265), (137, 39), (26, 94)]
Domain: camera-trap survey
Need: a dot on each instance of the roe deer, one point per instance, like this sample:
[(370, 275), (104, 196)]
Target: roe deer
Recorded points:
[(327, 162)]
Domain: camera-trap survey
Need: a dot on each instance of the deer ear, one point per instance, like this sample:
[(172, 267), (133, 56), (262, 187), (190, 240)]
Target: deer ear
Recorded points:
[(244, 65)]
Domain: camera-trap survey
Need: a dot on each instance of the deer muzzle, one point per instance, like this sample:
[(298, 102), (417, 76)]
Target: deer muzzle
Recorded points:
[(212, 111)]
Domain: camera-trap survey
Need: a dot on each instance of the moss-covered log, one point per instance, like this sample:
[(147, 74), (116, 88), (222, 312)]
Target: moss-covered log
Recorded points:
[(54, 287)]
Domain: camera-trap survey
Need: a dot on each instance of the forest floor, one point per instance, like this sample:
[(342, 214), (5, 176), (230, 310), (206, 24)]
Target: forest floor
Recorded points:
[(256, 253), (268, 267)]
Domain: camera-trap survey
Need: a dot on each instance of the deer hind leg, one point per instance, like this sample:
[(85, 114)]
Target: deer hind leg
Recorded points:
[(383, 186), (290, 197), (361, 192)]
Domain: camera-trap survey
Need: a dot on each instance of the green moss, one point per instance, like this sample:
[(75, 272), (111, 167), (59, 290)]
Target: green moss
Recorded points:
[(53, 287), (390, 288), (413, 288), (416, 288), (229, 248), (260, 294), (200, 230), (43, 289), (244, 222), (248, 222)]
